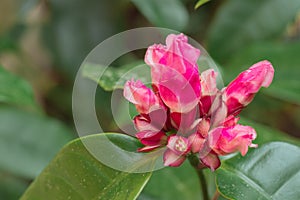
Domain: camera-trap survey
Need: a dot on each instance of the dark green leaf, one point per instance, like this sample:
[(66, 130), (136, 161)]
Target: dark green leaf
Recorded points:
[(76, 174), (29, 141), (168, 13), (14, 90), (200, 3), (76, 27), (269, 172), (239, 23), (11, 187), (177, 183)]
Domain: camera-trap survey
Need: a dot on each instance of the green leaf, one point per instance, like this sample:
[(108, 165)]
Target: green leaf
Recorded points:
[(168, 13), (29, 141), (285, 59), (115, 78), (70, 36), (11, 187), (75, 174), (14, 90), (269, 172), (177, 183), (200, 3), (239, 23)]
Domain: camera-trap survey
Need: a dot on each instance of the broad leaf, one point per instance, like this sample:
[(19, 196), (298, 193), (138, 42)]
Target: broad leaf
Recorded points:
[(239, 23), (29, 141), (75, 174), (269, 172), (168, 13), (14, 90), (115, 78), (176, 183)]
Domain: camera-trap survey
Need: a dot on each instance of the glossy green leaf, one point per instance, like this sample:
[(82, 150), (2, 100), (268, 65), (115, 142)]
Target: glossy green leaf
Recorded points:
[(115, 78), (29, 141), (200, 3), (14, 90), (168, 13), (75, 174), (285, 59), (269, 172), (239, 23), (177, 183)]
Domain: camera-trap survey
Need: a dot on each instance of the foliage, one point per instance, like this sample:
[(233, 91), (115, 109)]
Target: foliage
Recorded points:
[(253, 177), (75, 174), (200, 3), (21, 94), (42, 44)]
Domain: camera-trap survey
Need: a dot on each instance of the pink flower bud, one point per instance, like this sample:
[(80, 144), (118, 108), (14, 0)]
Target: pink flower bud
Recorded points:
[(151, 138), (175, 73), (211, 160), (240, 92), (142, 97), (230, 139)]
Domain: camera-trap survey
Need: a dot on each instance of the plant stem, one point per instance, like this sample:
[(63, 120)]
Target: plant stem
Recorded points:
[(216, 195), (195, 163), (202, 183)]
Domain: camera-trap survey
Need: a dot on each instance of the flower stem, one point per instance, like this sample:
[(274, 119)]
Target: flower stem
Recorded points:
[(195, 163), (216, 195), (202, 184)]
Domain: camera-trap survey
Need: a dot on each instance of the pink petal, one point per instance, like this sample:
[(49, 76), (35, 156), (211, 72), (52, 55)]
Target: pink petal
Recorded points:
[(196, 141), (185, 122), (144, 98), (209, 90), (209, 83), (178, 44), (151, 138), (218, 112), (240, 92), (175, 73), (231, 139), (211, 160), (205, 104), (231, 120), (172, 159), (204, 127), (143, 123), (149, 148), (155, 120)]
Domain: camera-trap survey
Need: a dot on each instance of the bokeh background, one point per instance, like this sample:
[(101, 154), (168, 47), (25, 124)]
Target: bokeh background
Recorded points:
[(43, 43)]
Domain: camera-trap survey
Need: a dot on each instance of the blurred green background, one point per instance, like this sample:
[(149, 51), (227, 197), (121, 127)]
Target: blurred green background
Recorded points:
[(43, 42)]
